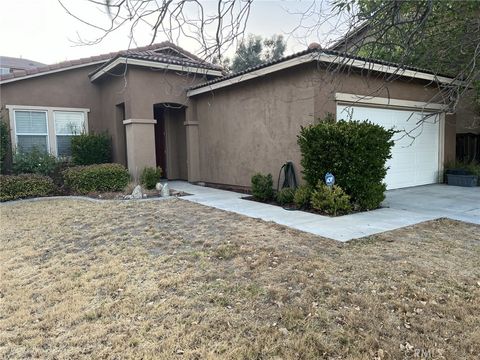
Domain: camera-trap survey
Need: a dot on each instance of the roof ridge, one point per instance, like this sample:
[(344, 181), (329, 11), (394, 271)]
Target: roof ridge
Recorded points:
[(95, 59)]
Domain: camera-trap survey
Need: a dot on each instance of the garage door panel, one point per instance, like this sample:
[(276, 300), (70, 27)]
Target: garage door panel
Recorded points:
[(415, 153)]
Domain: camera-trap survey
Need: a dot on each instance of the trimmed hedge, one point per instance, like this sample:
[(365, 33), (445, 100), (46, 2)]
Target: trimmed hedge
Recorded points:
[(355, 152), (24, 186), (89, 149), (93, 178), (34, 161)]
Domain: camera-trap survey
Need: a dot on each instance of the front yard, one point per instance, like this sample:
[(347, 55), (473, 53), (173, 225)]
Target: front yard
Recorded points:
[(172, 279)]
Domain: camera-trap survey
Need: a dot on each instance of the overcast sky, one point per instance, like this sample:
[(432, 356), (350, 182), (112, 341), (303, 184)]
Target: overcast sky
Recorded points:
[(41, 30)]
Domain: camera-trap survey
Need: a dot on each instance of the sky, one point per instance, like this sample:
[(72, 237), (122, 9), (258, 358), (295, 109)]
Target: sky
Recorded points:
[(48, 34)]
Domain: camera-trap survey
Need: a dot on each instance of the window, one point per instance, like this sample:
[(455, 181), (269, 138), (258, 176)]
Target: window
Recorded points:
[(31, 129), (67, 125), (46, 128)]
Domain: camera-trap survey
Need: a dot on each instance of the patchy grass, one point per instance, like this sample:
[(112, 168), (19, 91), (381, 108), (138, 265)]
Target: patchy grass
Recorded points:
[(173, 279)]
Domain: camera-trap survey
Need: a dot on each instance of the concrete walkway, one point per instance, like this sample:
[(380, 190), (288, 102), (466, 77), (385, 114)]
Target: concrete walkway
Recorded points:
[(403, 207)]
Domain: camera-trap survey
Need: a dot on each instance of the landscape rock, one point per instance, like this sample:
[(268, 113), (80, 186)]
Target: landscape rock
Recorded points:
[(165, 190), (159, 186), (137, 193)]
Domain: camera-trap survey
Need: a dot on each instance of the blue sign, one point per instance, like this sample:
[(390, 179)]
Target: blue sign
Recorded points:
[(329, 179)]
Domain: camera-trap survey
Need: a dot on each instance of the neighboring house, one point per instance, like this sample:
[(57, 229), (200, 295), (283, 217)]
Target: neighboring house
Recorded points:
[(165, 107), (10, 64)]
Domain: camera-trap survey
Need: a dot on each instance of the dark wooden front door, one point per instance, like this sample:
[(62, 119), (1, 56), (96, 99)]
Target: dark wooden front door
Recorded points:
[(160, 146)]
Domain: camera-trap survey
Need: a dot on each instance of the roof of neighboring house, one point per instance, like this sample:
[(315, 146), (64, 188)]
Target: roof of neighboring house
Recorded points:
[(346, 40), (18, 63), (168, 50), (314, 52)]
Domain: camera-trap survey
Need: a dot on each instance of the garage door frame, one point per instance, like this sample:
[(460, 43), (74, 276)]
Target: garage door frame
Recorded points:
[(399, 104)]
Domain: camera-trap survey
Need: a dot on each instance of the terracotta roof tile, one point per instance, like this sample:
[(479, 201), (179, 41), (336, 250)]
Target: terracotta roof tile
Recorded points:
[(193, 61)]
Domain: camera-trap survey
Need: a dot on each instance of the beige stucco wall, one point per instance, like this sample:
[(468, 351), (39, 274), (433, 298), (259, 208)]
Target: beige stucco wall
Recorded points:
[(63, 89), (468, 118), (253, 126)]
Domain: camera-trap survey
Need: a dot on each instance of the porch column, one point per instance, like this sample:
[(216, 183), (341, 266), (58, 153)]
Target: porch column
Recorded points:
[(140, 138), (193, 146)]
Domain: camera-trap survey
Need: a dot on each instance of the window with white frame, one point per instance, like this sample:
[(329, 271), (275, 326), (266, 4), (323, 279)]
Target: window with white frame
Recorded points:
[(46, 128), (31, 130), (67, 125)]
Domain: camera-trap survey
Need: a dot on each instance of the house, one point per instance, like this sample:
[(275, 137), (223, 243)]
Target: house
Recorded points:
[(10, 64), (163, 106)]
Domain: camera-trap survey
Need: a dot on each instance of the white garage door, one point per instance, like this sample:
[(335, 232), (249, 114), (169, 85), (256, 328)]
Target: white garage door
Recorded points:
[(415, 153)]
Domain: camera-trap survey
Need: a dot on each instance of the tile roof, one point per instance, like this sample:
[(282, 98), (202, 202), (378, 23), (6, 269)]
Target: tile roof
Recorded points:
[(314, 49), (18, 63), (167, 56), (143, 51)]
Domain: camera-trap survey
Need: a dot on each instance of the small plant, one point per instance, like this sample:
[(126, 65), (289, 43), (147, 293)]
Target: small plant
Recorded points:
[(34, 161), (92, 178), (302, 196), (331, 200), (285, 196), (89, 149), (262, 187), (150, 177), (4, 142), (24, 186)]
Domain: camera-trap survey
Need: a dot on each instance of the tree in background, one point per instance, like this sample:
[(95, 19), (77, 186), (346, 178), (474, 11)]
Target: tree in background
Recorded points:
[(255, 51), (441, 36)]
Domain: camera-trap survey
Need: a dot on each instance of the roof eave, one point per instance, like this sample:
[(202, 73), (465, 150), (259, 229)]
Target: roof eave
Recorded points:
[(151, 64), (53, 71), (322, 56)]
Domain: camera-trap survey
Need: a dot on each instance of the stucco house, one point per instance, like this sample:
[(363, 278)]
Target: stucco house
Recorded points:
[(163, 106)]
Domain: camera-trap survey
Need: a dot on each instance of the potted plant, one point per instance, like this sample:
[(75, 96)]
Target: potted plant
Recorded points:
[(463, 174)]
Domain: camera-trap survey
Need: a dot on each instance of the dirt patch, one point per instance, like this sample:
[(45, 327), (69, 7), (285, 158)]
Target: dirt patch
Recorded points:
[(174, 279)]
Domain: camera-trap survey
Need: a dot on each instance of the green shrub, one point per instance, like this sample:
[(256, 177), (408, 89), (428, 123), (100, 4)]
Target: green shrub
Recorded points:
[(150, 177), (285, 196), (262, 187), (93, 178), (34, 161), (24, 186), (355, 152), (4, 142), (88, 149), (302, 196), (331, 200)]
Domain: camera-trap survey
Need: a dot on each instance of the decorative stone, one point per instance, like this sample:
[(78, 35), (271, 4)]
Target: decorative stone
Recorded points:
[(128, 197), (159, 186), (165, 190), (137, 193)]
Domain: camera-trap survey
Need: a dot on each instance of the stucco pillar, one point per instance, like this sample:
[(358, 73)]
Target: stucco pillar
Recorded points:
[(140, 137), (193, 145)]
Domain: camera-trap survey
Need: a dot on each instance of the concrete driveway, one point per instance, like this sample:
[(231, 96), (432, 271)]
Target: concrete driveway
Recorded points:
[(439, 200), (401, 208)]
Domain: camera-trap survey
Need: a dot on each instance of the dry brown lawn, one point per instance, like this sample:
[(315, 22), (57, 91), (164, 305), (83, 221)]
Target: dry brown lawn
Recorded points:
[(177, 280)]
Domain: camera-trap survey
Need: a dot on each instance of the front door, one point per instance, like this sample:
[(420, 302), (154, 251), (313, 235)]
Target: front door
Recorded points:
[(160, 146)]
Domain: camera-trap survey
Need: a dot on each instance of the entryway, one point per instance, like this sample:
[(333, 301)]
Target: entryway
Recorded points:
[(171, 140)]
